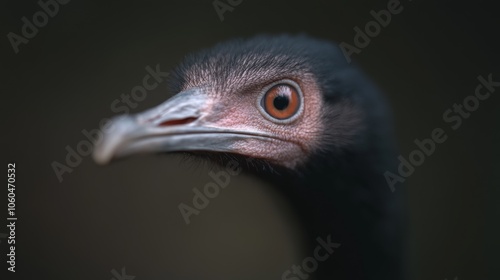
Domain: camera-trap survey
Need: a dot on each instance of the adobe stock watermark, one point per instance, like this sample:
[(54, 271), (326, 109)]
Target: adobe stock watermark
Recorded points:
[(121, 276), (49, 8), (372, 29), (211, 190), (222, 6), (310, 264), (454, 117), (84, 148)]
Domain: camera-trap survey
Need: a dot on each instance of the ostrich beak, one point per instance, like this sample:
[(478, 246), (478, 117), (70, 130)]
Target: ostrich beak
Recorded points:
[(186, 122)]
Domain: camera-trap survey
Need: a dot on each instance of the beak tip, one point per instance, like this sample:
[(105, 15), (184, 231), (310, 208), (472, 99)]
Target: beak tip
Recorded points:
[(105, 148), (100, 157), (104, 151)]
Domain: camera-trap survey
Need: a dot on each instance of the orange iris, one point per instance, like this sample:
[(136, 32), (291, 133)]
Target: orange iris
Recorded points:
[(281, 101)]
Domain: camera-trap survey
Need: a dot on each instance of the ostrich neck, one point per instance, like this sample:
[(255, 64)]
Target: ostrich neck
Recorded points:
[(349, 203)]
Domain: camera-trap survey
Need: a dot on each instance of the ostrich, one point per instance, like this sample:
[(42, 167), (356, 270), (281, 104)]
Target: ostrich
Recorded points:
[(314, 126)]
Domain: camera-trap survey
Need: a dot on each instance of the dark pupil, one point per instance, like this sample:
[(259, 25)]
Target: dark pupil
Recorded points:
[(280, 102)]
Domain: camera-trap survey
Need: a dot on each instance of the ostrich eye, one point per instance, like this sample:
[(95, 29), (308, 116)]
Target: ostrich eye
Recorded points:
[(281, 102)]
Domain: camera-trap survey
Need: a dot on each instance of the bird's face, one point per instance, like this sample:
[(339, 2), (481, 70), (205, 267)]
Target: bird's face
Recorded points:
[(257, 99), (277, 120)]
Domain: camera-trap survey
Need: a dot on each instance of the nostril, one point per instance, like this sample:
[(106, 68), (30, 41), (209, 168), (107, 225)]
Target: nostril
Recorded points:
[(177, 122)]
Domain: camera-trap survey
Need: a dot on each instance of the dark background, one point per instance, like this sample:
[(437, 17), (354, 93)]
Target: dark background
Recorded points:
[(125, 215)]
